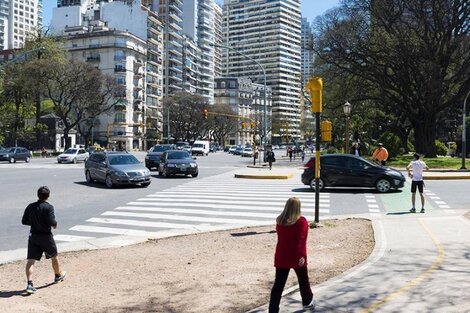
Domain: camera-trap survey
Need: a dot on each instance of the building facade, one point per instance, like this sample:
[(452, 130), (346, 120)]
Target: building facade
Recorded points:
[(140, 31), (308, 57), (18, 18), (269, 32), (246, 99)]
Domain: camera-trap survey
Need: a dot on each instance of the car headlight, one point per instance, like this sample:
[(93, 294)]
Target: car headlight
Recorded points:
[(171, 165), (118, 173), (397, 181), (7, 155), (193, 164)]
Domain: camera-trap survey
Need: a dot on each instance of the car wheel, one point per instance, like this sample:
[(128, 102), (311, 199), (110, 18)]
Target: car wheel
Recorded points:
[(59, 162), (195, 174), (108, 181), (321, 184), (27, 160), (145, 185), (88, 177), (74, 161), (12, 160), (383, 185)]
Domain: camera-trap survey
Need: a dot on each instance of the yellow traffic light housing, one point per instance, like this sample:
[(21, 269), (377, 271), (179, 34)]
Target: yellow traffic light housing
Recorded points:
[(326, 128), (205, 113), (315, 87)]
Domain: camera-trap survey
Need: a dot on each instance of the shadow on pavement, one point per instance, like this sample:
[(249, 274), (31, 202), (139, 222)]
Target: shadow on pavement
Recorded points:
[(251, 233)]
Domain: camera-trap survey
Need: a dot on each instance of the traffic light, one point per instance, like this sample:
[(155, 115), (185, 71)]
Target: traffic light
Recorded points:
[(326, 128), (242, 125), (205, 113), (315, 87)]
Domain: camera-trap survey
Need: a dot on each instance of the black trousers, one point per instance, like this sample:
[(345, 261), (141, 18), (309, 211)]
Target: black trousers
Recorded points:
[(280, 282)]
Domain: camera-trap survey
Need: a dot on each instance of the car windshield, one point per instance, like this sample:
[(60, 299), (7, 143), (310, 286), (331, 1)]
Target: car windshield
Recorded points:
[(122, 159), (160, 148), (70, 151), (178, 155), (198, 145)]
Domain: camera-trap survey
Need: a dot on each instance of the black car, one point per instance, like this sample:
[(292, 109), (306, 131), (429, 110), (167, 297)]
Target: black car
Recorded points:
[(173, 162), (152, 159), (346, 170), (14, 154), (116, 168)]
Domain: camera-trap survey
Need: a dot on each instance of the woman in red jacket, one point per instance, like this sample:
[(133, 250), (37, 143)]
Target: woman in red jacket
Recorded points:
[(291, 252)]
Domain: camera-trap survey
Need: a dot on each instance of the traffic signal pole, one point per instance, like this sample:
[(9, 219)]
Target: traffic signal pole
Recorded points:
[(315, 87)]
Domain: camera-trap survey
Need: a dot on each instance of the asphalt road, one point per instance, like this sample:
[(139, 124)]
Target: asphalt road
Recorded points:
[(213, 198)]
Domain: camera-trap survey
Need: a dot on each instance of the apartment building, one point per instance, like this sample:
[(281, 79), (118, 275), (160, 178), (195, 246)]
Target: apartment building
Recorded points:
[(308, 57), (17, 19), (246, 99), (268, 32), (144, 93), (218, 40)]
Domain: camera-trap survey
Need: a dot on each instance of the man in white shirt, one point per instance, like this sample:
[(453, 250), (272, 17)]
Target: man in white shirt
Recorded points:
[(415, 172)]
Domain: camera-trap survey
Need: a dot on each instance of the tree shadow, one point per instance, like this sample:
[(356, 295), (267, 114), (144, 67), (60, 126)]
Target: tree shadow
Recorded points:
[(251, 233)]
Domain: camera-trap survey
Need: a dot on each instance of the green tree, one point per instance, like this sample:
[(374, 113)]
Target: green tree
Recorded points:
[(414, 54)]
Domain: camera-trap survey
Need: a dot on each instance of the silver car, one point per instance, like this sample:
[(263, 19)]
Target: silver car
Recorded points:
[(73, 155), (116, 168)]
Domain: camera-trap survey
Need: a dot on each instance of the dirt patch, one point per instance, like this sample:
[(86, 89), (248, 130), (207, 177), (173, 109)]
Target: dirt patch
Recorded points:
[(226, 271)]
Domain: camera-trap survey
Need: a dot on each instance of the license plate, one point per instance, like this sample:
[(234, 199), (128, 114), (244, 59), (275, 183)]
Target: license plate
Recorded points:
[(182, 169)]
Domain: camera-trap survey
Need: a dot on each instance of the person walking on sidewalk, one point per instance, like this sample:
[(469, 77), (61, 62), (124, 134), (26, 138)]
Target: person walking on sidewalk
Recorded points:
[(415, 172), (380, 154), (270, 157), (40, 216), (291, 252)]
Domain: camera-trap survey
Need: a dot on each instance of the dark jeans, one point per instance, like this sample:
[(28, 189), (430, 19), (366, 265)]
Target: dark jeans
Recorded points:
[(280, 282)]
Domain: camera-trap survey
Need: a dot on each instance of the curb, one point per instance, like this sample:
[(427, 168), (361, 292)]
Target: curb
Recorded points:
[(446, 177), (255, 176)]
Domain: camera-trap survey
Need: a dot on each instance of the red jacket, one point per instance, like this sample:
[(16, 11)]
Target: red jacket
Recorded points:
[(291, 244)]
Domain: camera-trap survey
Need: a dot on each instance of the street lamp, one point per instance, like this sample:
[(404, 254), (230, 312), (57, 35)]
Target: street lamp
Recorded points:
[(347, 113), (264, 87), (464, 132)]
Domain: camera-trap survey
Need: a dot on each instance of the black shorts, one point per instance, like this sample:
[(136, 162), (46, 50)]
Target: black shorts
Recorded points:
[(418, 184), (39, 244)]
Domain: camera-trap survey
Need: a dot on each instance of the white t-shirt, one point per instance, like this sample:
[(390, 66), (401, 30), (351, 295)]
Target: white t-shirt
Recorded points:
[(417, 166)]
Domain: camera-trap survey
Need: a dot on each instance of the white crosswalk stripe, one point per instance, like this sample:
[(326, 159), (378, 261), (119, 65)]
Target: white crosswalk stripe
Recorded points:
[(212, 203)]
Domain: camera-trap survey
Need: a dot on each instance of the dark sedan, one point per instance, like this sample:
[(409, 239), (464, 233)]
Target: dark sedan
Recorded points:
[(345, 170), (152, 159), (14, 154), (175, 162)]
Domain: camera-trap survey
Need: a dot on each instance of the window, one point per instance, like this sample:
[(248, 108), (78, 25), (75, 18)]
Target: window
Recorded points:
[(119, 117)]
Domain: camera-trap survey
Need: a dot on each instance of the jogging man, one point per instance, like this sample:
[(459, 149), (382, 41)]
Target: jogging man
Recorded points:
[(40, 216), (415, 172)]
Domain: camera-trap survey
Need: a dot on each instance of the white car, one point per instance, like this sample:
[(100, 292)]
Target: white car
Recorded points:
[(247, 152), (73, 155)]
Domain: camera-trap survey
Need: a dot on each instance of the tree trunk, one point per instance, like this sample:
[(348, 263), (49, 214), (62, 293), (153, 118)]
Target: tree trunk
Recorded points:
[(425, 136), (66, 138)]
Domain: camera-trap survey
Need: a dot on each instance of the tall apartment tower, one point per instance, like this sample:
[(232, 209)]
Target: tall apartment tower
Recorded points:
[(218, 40), (170, 13), (308, 56), (199, 25), (17, 19), (268, 31)]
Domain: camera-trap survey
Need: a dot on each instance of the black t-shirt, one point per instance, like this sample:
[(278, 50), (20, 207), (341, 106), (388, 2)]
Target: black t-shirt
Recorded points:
[(40, 216)]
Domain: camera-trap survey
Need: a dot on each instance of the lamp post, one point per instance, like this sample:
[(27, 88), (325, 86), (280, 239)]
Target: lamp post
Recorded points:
[(347, 113), (464, 132), (264, 88)]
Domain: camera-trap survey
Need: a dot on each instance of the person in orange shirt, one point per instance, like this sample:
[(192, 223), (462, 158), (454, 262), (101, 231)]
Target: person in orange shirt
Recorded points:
[(380, 154)]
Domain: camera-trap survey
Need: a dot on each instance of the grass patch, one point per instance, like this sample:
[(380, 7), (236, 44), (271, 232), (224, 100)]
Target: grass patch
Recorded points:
[(439, 162)]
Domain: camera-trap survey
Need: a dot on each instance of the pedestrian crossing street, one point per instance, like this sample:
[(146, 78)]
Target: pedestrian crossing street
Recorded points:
[(217, 202)]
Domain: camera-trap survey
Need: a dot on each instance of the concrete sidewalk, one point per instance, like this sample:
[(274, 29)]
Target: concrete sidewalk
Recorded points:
[(420, 268)]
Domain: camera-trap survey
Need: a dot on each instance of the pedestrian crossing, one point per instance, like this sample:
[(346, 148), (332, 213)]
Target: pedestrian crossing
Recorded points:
[(213, 203)]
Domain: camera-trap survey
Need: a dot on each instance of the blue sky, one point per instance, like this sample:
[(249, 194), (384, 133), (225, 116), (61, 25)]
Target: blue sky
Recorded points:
[(310, 8)]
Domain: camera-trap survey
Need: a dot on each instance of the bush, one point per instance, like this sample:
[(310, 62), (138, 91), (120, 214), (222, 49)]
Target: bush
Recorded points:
[(331, 149), (441, 148)]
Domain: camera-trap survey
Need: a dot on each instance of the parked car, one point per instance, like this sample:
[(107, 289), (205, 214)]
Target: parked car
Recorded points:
[(232, 149), (180, 145), (247, 152), (175, 162), (14, 154), (226, 148), (346, 170), (73, 155), (152, 159), (213, 148), (116, 168)]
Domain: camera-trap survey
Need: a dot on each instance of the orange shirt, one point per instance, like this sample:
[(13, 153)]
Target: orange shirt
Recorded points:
[(380, 154)]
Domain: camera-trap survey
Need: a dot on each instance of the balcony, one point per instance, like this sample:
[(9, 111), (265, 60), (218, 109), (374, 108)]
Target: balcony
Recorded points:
[(120, 106), (93, 58), (138, 63)]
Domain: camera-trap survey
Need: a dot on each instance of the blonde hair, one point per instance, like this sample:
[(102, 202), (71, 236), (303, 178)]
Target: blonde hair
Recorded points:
[(291, 212)]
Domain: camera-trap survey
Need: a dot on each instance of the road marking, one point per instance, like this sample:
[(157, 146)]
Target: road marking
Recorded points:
[(214, 206), (237, 200), (70, 238), (136, 207), (434, 198), (109, 230), (371, 200), (374, 210), (373, 206), (449, 211), (416, 281), (444, 206), (440, 202), (212, 195)]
